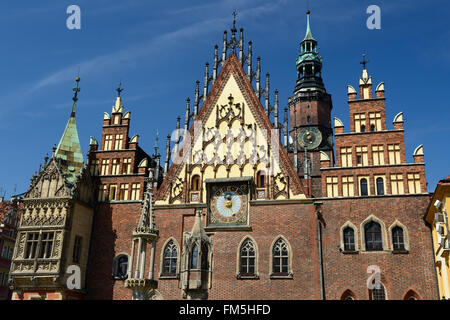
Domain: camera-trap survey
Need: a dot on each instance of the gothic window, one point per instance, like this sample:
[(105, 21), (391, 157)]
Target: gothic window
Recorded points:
[(380, 186), (247, 258), (398, 241), (45, 251), (363, 128), (204, 264), (195, 183), (77, 249), (373, 236), (372, 127), (170, 259), (349, 239), (280, 261), (120, 266), (378, 294), (260, 179), (308, 119), (363, 188), (194, 257)]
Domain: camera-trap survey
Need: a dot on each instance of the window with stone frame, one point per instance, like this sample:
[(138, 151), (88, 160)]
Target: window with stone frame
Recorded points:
[(414, 182), (394, 153), (126, 166), (361, 156), (105, 167), (247, 258), (332, 186), (346, 157), (397, 186), (349, 239), (118, 142), (135, 191), (375, 121), (378, 155), (113, 192), (280, 258), (124, 191), (360, 122), (31, 245), (348, 186), (378, 293), (120, 266), (170, 258), (45, 251), (379, 181), (115, 166), (373, 236), (108, 142), (363, 187), (398, 240)]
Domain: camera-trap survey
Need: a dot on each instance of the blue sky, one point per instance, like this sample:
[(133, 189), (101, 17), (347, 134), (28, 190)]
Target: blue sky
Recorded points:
[(158, 50)]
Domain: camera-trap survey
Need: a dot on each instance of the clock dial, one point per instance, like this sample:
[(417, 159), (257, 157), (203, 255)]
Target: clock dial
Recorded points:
[(309, 138), (228, 204)]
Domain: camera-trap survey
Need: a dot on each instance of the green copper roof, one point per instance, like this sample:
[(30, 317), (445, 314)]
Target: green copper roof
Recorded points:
[(308, 35), (69, 149)]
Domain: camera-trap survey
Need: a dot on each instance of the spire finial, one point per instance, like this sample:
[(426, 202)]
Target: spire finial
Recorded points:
[(156, 143), (119, 89), (364, 62), (75, 95), (234, 19)]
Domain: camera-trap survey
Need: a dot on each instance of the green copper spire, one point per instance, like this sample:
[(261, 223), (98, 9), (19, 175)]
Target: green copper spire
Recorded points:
[(308, 35), (69, 149)]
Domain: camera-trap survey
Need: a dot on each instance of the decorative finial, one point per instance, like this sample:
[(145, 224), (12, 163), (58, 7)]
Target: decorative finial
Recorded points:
[(364, 62), (308, 12), (234, 18), (76, 90), (119, 89), (156, 143)]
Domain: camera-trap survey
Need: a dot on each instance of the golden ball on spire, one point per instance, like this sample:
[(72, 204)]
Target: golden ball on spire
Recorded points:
[(308, 12), (77, 79)]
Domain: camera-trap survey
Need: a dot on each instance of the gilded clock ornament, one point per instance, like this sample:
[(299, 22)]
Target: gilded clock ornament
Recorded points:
[(228, 204), (309, 138)]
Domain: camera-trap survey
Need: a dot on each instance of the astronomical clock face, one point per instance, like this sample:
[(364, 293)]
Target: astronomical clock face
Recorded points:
[(309, 138), (228, 204)]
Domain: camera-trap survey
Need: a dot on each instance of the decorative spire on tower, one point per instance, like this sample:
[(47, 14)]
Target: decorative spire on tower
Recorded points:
[(309, 64)]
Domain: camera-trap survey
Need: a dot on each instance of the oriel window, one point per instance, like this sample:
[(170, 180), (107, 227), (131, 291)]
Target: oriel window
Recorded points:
[(46, 245)]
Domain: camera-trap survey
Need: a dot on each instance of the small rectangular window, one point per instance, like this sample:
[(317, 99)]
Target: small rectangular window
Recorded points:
[(77, 249)]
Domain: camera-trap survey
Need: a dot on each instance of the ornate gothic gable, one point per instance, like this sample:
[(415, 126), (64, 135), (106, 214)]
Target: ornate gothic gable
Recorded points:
[(231, 106)]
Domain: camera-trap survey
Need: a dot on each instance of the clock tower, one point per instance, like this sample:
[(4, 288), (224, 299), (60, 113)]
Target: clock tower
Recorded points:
[(310, 112)]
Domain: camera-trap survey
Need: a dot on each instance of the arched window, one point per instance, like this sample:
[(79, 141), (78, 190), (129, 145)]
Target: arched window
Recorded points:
[(363, 187), (363, 128), (348, 295), (373, 236), (194, 257), (349, 239), (120, 266), (260, 179), (170, 259), (378, 294), (398, 241), (195, 183), (205, 251), (372, 127), (380, 186), (280, 263), (247, 258), (308, 119)]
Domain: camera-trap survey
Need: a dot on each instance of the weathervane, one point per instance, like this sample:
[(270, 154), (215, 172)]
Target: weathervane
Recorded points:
[(364, 62), (119, 89), (76, 90)]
